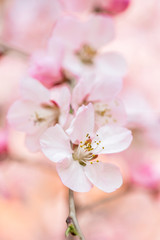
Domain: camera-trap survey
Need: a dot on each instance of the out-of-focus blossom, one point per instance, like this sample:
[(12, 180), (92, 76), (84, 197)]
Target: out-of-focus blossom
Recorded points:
[(38, 109), (102, 92), (140, 157), (107, 7), (28, 24), (3, 142), (142, 119), (146, 174), (76, 152), (110, 7), (82, 49), (47, 67), (77, 6)]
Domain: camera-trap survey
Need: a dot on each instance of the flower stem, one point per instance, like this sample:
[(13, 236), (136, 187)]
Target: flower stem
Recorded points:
[(72, 222)]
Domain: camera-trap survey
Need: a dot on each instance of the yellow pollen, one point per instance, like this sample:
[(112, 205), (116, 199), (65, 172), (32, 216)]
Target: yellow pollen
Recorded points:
[(91, 162), (97, 161), (102, 147)]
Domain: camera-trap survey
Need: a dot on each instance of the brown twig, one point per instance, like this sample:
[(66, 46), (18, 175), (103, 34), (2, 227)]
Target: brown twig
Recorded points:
[(72, 222)]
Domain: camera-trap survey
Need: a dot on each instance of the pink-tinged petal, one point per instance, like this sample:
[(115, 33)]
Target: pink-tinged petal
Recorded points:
[(110, 113), (82, 124), (62, 96), (74, 65), (33, 90), (113, 139), (105, 176), (64, 29), (46, 69), (32, 141), (4, 141), (94, 31), (111, 63), (115, 7), (74, 5), (21, 116), (93, 87), (105, 88), (82, 90), (73, 176), (55, 144), (99, 30)]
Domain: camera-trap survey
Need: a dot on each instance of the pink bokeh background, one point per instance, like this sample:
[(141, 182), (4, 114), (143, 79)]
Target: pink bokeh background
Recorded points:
[(33, 201)]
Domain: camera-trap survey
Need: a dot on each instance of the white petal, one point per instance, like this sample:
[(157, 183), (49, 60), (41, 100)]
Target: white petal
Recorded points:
[(110, 113), (105, 176), (21, 116), (105, 87), (62, 96), (73, 176), (33, 90), (82, 90), (82, 124), (55, 144), (113, 139), (32, 141), (111, 63)]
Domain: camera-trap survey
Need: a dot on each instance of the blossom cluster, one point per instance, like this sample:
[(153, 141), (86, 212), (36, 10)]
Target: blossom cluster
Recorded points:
[(69, 106)]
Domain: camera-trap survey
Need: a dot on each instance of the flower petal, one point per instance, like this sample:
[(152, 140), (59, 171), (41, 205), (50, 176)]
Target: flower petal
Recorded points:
[(99, 30), (113, 139), (111, 63), (82, 124), (93, 87), (32, 141), (105, 176), (63, 102), (110, 113), (94, 31), (55, 144), (105, 88), (82, 90), (73, 176), (33, 90), (21, 116)]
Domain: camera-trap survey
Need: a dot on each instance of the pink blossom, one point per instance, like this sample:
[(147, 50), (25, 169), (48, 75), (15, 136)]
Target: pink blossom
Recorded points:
[(47, 66), (74, 5), (111, 7), (3, 141), (146, 174), (38, 109), (82, 49), (141, 117), (27, 24), (76, 150), (102, 92)]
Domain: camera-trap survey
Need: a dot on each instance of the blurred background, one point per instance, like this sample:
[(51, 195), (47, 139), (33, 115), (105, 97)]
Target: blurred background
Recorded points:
[(33, 201)]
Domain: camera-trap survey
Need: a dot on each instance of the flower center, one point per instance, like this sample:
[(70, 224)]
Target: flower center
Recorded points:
[(86, 54), (46, 114), (103, 114), (84, 152)]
